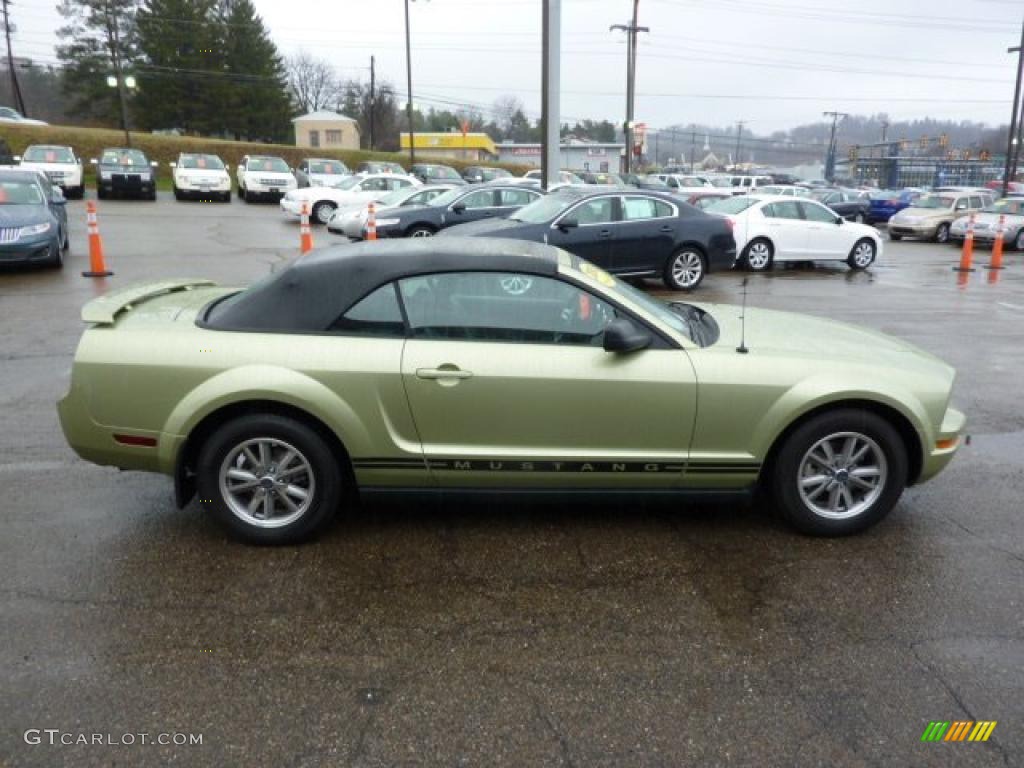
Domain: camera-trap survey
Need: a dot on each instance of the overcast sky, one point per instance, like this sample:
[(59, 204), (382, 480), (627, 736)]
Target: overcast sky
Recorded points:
[(706, 61)]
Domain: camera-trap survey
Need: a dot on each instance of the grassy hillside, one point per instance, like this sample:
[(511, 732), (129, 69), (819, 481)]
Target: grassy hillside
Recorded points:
[(88, 143)]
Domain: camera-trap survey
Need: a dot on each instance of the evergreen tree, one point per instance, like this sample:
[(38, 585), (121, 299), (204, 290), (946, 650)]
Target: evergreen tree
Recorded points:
[(254, 104), (99, 41), (179, 54)]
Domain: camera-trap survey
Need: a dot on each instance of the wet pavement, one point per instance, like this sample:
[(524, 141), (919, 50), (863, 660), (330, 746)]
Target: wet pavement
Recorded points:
[(507, 634)]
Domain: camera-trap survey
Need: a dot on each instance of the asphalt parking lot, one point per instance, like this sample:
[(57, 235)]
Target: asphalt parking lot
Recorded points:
[(508, 634)]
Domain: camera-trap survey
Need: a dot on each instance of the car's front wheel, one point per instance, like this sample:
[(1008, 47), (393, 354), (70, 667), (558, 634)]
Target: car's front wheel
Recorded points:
[(1018, 242), (420, 231), (322, 212), (270, 479), (759, 255), (685, 270), (862, 255), (840, 472), (942, 233), (895, 238)]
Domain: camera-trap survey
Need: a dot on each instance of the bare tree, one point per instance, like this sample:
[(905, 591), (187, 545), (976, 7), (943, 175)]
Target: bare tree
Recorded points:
[(312, 82), (505, 110)]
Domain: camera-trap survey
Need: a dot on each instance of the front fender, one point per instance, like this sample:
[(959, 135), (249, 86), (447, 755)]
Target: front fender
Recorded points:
[(261, 382)]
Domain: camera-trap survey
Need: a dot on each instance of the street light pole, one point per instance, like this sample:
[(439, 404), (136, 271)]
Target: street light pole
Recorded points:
[(830, 160), (739, 135), (408, 71), (1010, 148), (550, 89), (122, 83)]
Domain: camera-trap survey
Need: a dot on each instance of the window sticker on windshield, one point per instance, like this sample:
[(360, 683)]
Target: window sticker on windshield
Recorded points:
[(51, 156), (201, 162), (597, 273)]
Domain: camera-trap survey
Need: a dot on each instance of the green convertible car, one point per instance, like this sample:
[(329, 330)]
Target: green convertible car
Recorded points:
[(496, 366)]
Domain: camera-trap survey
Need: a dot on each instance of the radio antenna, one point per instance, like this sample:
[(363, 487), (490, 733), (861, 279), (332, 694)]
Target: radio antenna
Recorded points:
[(742, 348)]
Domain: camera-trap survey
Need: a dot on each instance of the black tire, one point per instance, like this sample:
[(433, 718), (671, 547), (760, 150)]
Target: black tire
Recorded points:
[(1018, 242), (248, 196), (56, 260), (101, 193), (942, 233), (752, 255), (322, 209), (858, 258), (226, 197), (895, 238), (241, 192), (66, 243), (685, 269), (177, 193), (76, 193), (420, 230), (789, 473), (326, 482)]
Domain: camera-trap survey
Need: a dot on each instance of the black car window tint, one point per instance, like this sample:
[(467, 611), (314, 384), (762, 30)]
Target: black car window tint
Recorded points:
[(481, 199), (787, 209), (503, 307), (813, 212), (516, 197), (378, 314), (596, 211)]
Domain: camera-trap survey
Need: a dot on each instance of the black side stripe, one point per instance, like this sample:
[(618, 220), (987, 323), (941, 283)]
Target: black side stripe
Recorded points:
[(549, 465)]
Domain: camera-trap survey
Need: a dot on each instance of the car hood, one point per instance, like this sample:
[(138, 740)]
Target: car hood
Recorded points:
[(23, 215), (484, 228), (925, 213), (816, 339)]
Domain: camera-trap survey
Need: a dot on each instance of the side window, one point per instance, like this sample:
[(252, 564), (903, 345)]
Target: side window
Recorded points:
[(599, 210), (516, 197), (786, 209), (396, 183), (504, 307), (377, 314), (768, 211), (961, 204), (421, 198), (814, 212), (639, 208), (483, 198), (975, 202)]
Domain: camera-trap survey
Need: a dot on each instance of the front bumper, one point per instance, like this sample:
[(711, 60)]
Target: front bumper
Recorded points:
[(126, 187), (947, 441), (34, 249), (913, 230), (294, 207)]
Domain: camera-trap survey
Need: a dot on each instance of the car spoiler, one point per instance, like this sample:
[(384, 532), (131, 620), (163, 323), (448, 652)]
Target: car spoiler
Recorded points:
[(106, 308)]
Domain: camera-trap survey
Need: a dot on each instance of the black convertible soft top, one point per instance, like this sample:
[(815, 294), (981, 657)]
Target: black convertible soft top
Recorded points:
[(315, 289)]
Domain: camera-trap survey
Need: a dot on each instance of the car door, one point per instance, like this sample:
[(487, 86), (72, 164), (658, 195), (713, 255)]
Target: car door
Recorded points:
[(477, 205), (510, 386), (646, 236), (787, 229), (369, 189), (826, 236), (594, 221)]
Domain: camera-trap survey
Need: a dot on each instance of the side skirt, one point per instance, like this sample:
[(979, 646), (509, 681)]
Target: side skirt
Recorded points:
[(688, 495)]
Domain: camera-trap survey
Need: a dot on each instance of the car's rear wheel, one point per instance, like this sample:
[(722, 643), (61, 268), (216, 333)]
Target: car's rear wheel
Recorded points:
[(270, 479), (759, 255), (420, 231), (942, 233), (101, 193), (1018, 242), (323, 211), (685, 270), (840, 472), (862, 255), (226, 197)]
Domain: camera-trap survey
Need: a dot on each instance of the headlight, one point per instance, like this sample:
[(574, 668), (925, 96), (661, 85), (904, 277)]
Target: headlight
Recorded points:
[(105, 175), (387, 222), (34, 229)]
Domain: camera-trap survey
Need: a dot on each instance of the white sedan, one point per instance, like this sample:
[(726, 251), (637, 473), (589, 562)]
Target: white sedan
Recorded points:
[(322, 202), (200, 176), (8, 115), (348, 220), (771, 229)]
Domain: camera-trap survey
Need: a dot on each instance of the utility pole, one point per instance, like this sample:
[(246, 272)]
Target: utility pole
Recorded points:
[(550, 89), (631, 30), (693, 149), (373, 73), (15, 88), (830, 160), (739, 135), (408, 72), (885, 129), (1011, 148)]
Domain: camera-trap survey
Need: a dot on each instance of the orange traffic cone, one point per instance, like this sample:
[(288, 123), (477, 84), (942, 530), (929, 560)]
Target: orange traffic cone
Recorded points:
[(968, 252), (305, 235), (97, 267), (996, 262), (371, 222)]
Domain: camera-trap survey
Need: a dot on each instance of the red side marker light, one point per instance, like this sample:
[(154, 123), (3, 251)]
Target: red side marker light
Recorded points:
[(145, 442)]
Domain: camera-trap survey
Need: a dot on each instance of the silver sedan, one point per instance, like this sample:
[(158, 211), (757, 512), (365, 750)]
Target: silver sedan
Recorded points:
[(986, 223), (348, 220)]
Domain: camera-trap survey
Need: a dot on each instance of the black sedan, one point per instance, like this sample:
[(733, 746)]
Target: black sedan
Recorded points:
[(460, 205), (33, 222), (848, 203), (628, 232), (432, 173), (125, 171), (475, 174)]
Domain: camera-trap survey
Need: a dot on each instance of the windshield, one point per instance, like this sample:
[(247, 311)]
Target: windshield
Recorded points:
[(440, 172), (721, 181), (731, 205), (449, 197), (544, 208), (128, 157), (20, 193), (494, 173), (1013, 207), (934, 201), (204, 162), (328, 167), (348, 182), (49, 155), (267, 164)]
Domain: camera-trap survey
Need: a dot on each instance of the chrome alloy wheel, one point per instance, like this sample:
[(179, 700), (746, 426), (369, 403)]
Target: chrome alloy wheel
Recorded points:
[(758, 255), (422, 232), (687, 269), (842, 475), (266, 482), (863, 254)]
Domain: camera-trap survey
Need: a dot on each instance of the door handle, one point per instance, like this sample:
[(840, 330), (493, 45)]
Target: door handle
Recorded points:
[(443, 373), (605, 233), (666, 228)]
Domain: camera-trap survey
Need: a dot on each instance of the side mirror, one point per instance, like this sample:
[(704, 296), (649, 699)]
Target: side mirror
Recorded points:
[(622, 335), (57, 198), (839, 219), (459, 207), (569, 222)]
